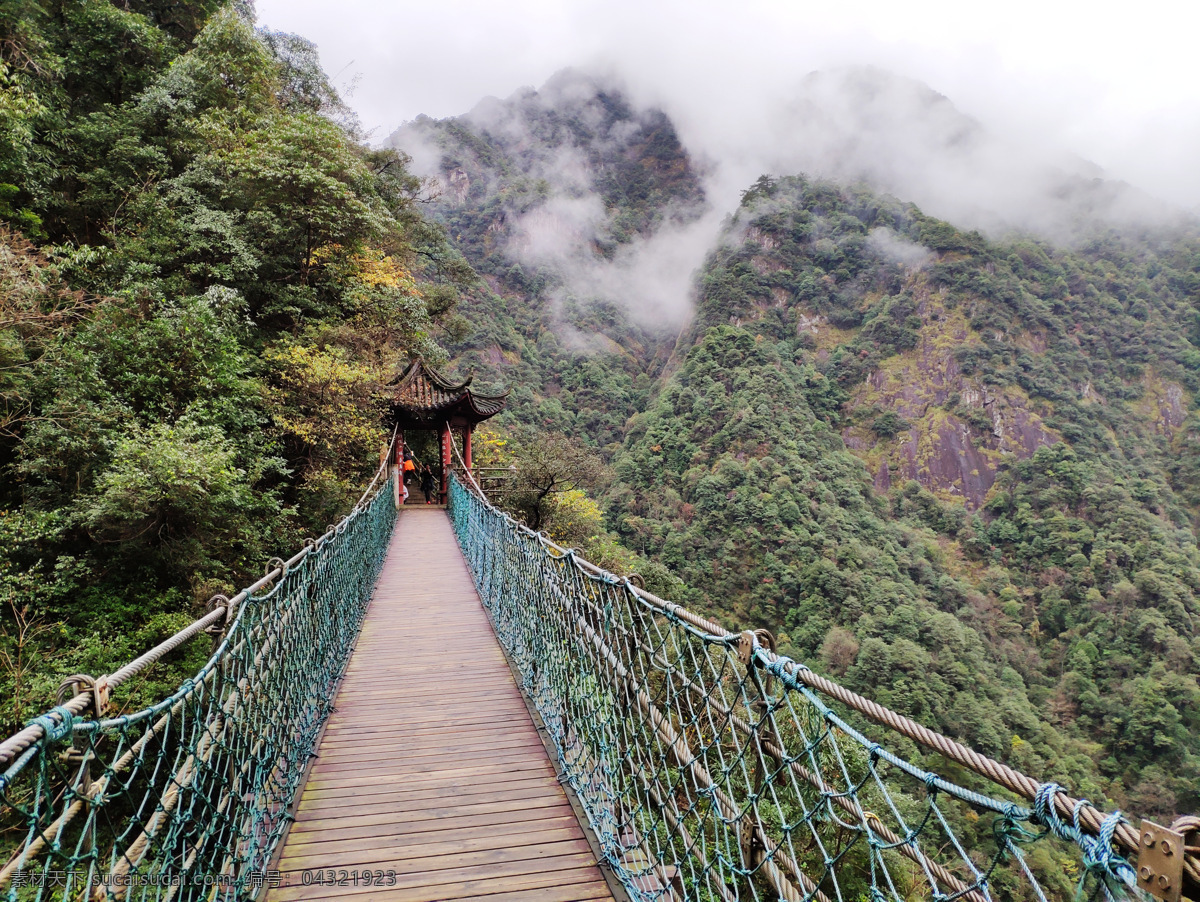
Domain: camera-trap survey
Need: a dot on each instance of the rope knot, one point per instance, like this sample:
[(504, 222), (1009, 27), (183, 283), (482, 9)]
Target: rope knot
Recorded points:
[(1098, 855), (55, 729), (931, 783), (1043, 809), (1097, 851), (1013, 811)]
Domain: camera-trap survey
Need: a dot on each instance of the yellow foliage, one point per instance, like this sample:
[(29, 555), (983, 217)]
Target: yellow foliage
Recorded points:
[(488, 448), (573, 518), (370, 267), (377, 270), (323, 398)]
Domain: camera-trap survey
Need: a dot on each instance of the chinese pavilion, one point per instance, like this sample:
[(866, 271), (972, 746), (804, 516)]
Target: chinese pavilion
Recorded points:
[(422, 398)]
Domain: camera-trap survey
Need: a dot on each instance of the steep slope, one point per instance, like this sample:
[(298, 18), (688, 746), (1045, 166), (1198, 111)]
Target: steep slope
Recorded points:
[(564, 198), (1046, 390), (958, 473), (188, 360)]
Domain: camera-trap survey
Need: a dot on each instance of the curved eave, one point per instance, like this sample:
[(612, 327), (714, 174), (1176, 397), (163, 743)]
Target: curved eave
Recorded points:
[(487, 405), (421, 396), (466, 407), (418, 368)]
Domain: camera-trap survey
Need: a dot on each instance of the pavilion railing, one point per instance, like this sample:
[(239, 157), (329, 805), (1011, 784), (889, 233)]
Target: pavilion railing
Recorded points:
[(188, 798), (712, 768)]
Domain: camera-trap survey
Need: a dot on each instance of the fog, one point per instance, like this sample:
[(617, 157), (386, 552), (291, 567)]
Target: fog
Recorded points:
[(650, 276), (1066, 76), (1025, 118)]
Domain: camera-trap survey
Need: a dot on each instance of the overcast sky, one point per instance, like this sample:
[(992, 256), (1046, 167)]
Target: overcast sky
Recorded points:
[(1119, 85)]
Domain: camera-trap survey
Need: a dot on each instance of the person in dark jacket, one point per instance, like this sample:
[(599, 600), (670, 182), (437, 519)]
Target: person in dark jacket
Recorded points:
[(427, 484)]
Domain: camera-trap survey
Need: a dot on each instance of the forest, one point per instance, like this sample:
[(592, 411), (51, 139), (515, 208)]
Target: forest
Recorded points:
[(959, 473), (955, 472), (206, 274)]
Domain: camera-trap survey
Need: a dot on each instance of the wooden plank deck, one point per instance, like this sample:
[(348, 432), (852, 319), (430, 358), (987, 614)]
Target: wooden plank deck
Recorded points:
[(430, 765)]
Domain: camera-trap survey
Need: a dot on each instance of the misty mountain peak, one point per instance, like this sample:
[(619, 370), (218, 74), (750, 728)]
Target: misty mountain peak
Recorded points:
[(578, 133), (900, 135), (574, 180)]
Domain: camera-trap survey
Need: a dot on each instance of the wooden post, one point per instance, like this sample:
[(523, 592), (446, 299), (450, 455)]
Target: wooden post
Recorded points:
[(467, 430), (447, 452)]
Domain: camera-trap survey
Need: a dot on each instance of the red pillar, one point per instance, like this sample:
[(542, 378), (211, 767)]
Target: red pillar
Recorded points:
[(447, 452), (467, 446)]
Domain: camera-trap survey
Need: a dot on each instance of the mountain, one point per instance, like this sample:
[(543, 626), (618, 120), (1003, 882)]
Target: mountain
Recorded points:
[(567, 200), (902, 137), (956, 470), (946, 468)]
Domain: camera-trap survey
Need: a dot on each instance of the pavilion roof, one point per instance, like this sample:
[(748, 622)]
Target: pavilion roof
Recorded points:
[(421, 396)]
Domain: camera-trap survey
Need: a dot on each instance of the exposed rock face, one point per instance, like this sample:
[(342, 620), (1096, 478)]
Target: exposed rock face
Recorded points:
[(1163, 404), (459, 186), (959, 429)]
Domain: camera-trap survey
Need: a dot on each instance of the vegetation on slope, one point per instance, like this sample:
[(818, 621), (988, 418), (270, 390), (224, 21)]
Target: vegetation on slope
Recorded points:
[(242, 272), (1054, 627), (575, 158)]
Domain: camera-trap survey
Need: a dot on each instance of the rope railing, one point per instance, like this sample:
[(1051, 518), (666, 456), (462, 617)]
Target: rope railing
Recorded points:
[(712, 768), (188, 798)]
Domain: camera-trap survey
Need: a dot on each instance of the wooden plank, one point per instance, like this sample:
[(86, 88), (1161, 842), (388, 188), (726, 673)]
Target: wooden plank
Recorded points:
[(445, 806), (575, 892), (479, 771), (469, 834), (469, 749), (454, 876), (428, 769), (398, 798), (424, 761), (574, 883), (476, 743), (416, 725), (502, 722), (543, 857), (396, 852), (467, 839), (518, 817), (437, 785)]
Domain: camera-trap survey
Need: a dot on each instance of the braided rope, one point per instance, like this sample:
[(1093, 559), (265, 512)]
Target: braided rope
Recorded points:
[(735, 775), (196, 786)]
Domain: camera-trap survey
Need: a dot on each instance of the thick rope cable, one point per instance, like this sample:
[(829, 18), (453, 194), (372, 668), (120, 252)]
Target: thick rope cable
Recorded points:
[(657, 631), (196, 787)]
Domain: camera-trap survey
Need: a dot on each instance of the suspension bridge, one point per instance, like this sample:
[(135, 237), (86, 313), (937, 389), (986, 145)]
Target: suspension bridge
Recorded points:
[(435, 704)]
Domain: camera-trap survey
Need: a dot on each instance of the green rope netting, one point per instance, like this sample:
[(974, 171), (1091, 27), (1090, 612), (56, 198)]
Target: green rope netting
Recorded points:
[(707, 769), (188, 799), (709, 772)]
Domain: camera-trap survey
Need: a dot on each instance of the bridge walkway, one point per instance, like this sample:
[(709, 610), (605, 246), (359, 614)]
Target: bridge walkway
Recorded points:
[(430, 766)]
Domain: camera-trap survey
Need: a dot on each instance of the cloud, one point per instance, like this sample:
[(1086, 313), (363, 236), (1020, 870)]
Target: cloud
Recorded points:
[(558, 232), (566, 138), (971, 113), (897, 249), (652, 278), (899, 135), (1116, 89)]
